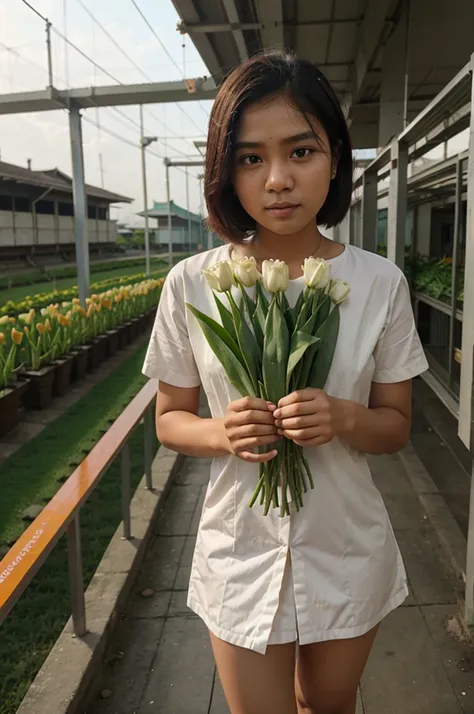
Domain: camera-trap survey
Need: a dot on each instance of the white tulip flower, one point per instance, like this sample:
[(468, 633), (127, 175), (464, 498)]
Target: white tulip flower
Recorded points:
[(219, 276), (276, 276), (317, 272), (339, 291), (246, 271)]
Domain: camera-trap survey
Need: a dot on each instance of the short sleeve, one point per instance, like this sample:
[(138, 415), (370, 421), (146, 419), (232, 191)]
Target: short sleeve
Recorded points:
[(399, 354), (169, 357)]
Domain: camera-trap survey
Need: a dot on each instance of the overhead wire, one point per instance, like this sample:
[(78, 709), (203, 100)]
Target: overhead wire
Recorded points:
[(107, 73), (169, 55), (98, 66), (127, 56)]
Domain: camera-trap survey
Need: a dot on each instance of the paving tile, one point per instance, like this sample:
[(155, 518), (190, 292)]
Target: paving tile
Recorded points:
[(218, 704), (404, 510), (178, 607), (182, 674), (156, 605), (182, 578), (179, 510), (161, 564), (389, 476), (131, 660), (457, 656), (405, 674), (188, 551), (430, 575), (194, 472)]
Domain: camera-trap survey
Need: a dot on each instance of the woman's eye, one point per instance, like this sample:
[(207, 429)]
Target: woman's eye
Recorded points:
[(302, 152), (250, 159)]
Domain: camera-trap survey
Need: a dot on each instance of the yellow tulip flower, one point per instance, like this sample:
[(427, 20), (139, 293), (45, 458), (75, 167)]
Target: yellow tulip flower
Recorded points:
[(41, 328), (2, 338), (76, 301), (17, 336), (47, 325), (4, 319)]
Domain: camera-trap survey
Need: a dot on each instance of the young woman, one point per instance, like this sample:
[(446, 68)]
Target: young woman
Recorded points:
[(292, 604)]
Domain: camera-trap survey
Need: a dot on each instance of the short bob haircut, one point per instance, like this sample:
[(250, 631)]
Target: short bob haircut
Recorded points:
[(263, 75)]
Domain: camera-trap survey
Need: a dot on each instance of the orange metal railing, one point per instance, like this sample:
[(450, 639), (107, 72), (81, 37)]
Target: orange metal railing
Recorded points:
[(61, 515)]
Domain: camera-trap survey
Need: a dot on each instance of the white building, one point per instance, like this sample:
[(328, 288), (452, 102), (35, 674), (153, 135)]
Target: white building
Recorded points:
[(37, 213)]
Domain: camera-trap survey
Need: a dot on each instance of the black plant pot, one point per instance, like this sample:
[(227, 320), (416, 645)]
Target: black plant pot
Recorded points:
[(80, 359), (39, 393), (10, 404), (62, 376)]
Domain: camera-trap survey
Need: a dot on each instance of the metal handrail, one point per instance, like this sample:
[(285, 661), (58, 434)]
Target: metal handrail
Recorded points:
[(61, 514)]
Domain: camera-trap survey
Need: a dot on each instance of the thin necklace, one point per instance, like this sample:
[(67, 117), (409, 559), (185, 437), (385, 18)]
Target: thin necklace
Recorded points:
[(312, 255)]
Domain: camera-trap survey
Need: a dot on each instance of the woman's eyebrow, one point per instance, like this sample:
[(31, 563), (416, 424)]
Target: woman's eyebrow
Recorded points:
[(302, 136)]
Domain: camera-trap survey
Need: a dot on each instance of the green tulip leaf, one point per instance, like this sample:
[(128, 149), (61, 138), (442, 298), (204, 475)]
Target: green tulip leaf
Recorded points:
[(300, 342), (276, 350), (226, 317), (328, 333), (218, 341)]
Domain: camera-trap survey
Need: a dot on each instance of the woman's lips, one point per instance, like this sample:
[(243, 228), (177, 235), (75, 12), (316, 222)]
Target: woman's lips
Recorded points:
[(283, 211)]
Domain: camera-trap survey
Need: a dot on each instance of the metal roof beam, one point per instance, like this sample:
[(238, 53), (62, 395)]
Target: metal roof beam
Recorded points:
[(270, 14), (190, 29), (109, 96), (233, 17), (370, 39)]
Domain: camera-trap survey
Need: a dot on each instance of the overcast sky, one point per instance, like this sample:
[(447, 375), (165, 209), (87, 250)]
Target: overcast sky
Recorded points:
[(43, 137)]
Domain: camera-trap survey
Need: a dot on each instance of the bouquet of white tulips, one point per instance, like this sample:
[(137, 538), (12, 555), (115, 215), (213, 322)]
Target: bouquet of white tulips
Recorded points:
[(269, 349)]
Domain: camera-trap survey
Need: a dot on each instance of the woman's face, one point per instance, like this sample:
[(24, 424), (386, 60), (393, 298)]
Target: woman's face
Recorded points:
[(281, 172)]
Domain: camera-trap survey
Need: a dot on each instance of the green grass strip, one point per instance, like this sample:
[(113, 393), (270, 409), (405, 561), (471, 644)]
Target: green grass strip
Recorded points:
[(30, 476)]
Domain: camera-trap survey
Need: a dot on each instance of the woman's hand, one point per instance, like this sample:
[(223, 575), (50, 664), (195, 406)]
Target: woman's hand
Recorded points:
[(249, 423), (310, 417)]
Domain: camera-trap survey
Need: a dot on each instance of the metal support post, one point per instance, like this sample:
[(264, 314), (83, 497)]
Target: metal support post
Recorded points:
[(454, 268), (48, 50), (143, 145), (148, 444), (168, 200), (397, 203), (467, 359), (76, 578), (187, 208), (126, 490), (80, 205), (369, 211)]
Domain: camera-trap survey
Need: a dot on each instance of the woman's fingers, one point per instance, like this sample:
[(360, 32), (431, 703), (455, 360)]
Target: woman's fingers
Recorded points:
[(250, 403), (252, 458), (250, 417), (254, 442)]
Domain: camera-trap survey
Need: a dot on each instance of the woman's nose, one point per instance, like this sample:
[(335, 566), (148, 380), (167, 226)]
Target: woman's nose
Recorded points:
[(279, 177)]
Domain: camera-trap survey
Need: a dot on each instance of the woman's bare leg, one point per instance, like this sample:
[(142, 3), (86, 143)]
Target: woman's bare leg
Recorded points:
[(328, 674), (254, 683)]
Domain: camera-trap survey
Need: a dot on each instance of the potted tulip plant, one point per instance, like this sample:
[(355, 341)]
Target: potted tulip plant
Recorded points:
[(41, 346), (11, 389)]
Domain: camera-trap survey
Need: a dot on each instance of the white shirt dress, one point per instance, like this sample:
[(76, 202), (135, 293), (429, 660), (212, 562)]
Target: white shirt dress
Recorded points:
[(334, 569)]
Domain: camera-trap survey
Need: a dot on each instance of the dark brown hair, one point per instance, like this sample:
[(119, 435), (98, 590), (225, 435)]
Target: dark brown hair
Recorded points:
[(266, 74)]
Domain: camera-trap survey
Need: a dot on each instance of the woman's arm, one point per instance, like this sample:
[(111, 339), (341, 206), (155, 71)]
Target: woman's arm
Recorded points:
[(179, 427), (310, 417), (383, 427), (247, 425)]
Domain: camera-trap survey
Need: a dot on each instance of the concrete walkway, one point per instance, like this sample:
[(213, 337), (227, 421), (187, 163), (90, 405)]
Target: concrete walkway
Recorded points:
[(162, 660)]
